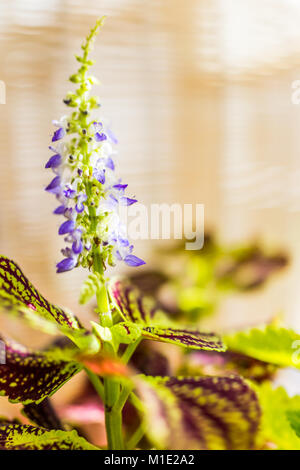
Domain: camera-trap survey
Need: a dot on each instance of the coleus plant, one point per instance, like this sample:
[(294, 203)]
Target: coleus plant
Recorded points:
[(189, 412)]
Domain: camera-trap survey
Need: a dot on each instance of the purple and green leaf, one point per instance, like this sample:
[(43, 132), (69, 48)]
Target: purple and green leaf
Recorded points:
[(207, 413), (16, 436), (28, 376), (200, 363), (143, 311), (43, 414), (17, 291), (21, 300)]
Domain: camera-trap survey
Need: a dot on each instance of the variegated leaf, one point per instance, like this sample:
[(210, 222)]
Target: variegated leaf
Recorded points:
[(132, 306), (15, 436), (200, 413), (141, 310), (17, 290), (189, 338), (28, 376), (42, 414), (215, 363)]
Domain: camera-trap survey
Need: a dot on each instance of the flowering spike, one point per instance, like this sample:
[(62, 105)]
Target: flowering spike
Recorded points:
[(88, 191)]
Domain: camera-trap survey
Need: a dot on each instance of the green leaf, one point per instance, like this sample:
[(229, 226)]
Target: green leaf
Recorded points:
[(270, 343), (29, 376), (143, 311), (200, 413), (17, 290), (280, 418), (15, 436), (294, 420)]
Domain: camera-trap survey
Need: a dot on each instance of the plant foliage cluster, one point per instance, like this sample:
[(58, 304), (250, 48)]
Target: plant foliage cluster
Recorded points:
[(219, 395)]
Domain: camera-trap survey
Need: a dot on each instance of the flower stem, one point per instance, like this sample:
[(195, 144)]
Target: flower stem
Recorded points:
[(95, 381), (130, 350), (112, 386), (113, 415), (136, 437)]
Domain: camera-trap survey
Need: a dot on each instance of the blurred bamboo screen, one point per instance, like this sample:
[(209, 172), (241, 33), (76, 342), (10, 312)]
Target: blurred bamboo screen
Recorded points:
[(198, 92)]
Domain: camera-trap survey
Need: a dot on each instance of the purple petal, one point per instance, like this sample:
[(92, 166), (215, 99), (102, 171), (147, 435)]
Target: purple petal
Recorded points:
[(69, 213), (133, 261), (66, 227), (59, 210), (54, 185), (77, 247), (58, 134), (127, 201), (67, 252), (54, 161), (112, 136), (70, 193), (123, 241), (100, 136), (65, 265), (79, 207), (98, 125), (76, 235), (120, 187), (110, 163), (99, 175)]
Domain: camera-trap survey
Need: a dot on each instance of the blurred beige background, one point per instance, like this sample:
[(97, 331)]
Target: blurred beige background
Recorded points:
[(199, 94)]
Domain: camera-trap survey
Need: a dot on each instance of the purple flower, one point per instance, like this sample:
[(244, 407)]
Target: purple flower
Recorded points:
[(100, 136), (99, 175), (69, 213), (54, 186), (59, 210), (77, 247), (58, 134), (76, 229), (65, 265), (110, 163), (69, 192), (54, 161), (123, 241), (112, 136), (133, 261), (80, 200), (120, 187), (98, 126), (66, 227), (127, 201)]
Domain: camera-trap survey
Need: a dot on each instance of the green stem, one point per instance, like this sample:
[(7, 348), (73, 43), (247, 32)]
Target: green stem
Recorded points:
[(94, 379), (113, 415), (136, 402), (130, 350), (136, 437)]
